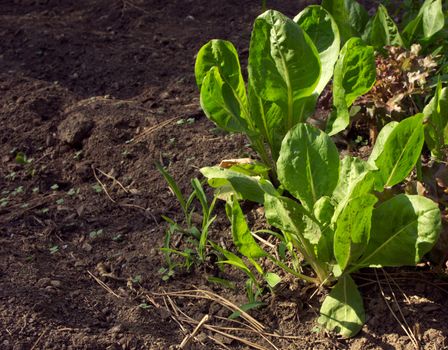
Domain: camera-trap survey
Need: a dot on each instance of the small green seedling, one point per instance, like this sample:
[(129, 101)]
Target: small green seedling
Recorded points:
[(22, 159), (97, 188), (96, 234), (198, 236)]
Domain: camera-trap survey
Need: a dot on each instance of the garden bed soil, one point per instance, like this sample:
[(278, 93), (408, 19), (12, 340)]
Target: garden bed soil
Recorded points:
[(92, 94)]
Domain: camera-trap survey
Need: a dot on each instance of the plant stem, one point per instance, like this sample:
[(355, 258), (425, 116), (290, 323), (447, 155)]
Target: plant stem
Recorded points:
[(292, 272)]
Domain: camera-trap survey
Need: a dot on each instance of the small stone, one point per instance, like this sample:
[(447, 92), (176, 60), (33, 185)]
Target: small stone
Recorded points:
[(116, 329), (79, 263), (75, 128), (56, 283), (87, 247), (164, 95), (43, 282)]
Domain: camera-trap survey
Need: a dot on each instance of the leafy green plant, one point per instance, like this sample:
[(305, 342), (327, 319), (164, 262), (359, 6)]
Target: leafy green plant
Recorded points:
[(426, 28), (337, 215), (290, 63), (341, 216), (197, 237)]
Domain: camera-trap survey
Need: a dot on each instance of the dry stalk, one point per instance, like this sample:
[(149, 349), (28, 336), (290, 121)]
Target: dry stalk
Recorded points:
[(104, 285), (405, 326)]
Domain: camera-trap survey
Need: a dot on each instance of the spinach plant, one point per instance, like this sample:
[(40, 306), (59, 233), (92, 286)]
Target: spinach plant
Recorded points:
[(334, 214), (290, 64)]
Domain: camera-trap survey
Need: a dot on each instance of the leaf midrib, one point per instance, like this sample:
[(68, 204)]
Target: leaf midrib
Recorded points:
[(387, 241), (287, 77)]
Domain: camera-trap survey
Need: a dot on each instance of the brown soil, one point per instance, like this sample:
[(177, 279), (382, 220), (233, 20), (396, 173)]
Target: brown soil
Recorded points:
[(93, 93)]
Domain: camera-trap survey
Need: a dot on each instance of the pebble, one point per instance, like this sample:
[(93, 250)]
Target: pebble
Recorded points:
[(87, 247), (116, 329), (43, 282), (56, 283)]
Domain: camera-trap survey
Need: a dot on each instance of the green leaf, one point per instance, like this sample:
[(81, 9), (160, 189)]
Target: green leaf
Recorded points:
[(288, 216), (221, 104), (353, 229), (382, 31), (272, 279), (404, 228), (233, 259), (436, 122), (354, 75), (308, 166), (221, 54), (246, 187), (246, 307), (401, 151), (242, 237), (349, 15), (323, 31), (380, 141), (324, 210), (429, 20), (356, 178), (353, 179), (283, 65), (174, 187), (253, 168), (342, 310)]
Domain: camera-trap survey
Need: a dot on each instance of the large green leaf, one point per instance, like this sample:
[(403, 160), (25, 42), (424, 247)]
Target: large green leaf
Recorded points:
[(288, 216), (429, 20), (221, 54), (356, 178), (354, 75), (436, 122), (283, 65), (342, 310), (382, 30), (401, 151), (269, 120), (353, 229), (220, 104), (323, 31), (353, 179), (242, 237), (323, 210), (404, 228), (350, 16), (223, 92), (380, 141), (308, 165), (245, 186)]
